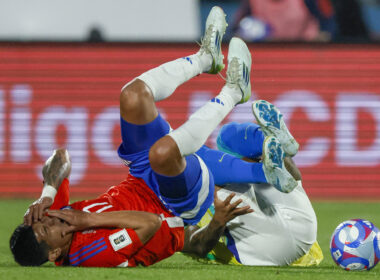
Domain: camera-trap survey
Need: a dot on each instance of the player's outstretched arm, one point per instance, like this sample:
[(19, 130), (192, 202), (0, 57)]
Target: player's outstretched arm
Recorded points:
[(57, 167), (200, 241), (145, 224)]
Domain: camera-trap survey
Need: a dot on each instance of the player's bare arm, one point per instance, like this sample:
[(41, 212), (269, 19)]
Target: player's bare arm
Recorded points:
[(200, 241), (57, 167), (143, 223)]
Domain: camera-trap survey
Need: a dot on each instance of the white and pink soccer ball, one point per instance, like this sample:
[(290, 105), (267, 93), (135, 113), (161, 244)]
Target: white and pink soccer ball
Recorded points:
[(355, 245)]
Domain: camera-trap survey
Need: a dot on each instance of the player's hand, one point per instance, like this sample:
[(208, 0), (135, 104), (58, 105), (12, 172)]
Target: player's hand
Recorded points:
[(37, 209), (57, 167), (225, 211), (77, 220)]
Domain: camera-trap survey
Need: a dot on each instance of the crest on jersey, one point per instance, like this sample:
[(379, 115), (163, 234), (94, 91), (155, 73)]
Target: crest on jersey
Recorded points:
[(120, 239)]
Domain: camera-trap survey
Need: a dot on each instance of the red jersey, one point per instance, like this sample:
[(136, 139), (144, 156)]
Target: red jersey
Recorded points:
[(122, 247)]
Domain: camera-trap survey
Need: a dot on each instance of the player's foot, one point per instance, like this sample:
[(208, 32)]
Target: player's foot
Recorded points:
[(239, 68), (272, 124), (274, 166), (211, 42)]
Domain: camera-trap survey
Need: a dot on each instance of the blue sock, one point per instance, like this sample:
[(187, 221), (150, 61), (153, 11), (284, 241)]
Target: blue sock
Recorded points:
[(241, 140), (229, 169)]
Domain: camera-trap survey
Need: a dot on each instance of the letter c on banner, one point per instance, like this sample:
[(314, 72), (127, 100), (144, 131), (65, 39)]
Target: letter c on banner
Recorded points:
[(316, 110)]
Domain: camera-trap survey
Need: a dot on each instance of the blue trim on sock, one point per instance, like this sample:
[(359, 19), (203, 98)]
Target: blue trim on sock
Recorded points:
[(222, 147)]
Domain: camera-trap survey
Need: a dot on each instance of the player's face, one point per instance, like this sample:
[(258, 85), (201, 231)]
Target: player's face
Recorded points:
[(51, 230)]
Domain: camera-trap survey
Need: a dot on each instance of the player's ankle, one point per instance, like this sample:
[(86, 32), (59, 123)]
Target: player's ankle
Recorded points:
[(232, 92), (204, 60)]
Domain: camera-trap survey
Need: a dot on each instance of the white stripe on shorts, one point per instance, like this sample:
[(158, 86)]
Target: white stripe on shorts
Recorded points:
[(203, 192)]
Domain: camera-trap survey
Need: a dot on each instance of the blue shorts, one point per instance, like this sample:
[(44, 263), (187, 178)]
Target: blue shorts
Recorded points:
[(187, 195)]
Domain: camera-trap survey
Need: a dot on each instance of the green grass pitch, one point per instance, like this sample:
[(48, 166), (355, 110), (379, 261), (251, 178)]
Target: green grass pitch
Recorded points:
[(178, 267)]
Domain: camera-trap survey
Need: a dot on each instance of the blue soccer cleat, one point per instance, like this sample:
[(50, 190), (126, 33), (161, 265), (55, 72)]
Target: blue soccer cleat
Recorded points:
[(274, 166), (272, 124)]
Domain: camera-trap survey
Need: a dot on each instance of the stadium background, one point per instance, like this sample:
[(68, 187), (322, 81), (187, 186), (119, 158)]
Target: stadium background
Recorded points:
[(58, 89), (65, 94), (62, 64)]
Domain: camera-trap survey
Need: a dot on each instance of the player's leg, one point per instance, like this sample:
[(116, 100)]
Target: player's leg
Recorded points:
[(295, 208), (241, 139), (167, 153), (227, 168), (246, 140), (280, 230), (189, 137), (141, 125)]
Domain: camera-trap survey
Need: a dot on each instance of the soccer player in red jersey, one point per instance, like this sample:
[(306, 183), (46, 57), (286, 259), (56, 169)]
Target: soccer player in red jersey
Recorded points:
[(170, 179), (100, 232)]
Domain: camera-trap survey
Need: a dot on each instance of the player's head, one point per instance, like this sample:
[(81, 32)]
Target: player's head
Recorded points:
[(26, 249), (43, 241)]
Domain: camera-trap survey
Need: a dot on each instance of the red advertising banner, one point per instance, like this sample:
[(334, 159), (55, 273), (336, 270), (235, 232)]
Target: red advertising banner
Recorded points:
[(67, 95)]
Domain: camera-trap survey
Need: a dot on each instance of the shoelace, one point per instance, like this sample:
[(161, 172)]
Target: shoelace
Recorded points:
[(206, 40), (233, 71)]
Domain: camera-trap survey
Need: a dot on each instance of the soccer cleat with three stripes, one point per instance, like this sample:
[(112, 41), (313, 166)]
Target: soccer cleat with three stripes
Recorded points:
[(239, 68), (211, 42)]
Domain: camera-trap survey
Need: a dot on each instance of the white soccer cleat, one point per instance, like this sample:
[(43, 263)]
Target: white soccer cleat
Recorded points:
[(272, 124), (274, 166), (211, 42), (239, 68)]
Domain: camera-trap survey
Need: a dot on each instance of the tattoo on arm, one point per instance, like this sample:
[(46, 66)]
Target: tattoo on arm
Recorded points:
[(57, 167), (200, 241)]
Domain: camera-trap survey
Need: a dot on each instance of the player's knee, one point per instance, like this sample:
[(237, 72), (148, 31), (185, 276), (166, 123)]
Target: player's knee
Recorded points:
[(134, 95), (165, 158)]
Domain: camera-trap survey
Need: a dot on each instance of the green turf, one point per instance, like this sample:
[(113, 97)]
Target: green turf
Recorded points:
[(178, 267)]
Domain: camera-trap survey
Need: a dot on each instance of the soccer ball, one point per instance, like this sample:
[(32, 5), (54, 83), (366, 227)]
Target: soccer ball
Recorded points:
[(355, 245)]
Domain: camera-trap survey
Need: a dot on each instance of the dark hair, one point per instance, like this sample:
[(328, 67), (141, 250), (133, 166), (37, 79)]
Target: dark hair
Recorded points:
[(25, 247)]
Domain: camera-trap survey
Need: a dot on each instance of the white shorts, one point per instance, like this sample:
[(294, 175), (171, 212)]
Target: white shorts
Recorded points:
[(281, 229)]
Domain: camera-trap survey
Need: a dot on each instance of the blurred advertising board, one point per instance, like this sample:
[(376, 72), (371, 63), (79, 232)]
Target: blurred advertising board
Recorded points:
[(116, 20), (67, 95)]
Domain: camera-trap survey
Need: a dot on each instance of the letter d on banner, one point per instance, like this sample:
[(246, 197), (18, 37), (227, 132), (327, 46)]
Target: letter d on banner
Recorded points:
[(347, 151)]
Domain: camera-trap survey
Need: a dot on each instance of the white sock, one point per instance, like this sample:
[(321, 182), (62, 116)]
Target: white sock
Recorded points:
[(164, 79), (195, 131)]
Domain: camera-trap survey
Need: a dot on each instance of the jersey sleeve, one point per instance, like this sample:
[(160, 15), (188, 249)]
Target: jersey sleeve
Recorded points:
[(104, 248), (125, 242), (63, 196)]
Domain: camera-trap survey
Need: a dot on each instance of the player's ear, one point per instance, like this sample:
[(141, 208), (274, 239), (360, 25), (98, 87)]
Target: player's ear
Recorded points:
[(54, 254)]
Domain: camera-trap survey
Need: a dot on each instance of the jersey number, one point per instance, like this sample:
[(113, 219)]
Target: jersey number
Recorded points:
[(88, 207)]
